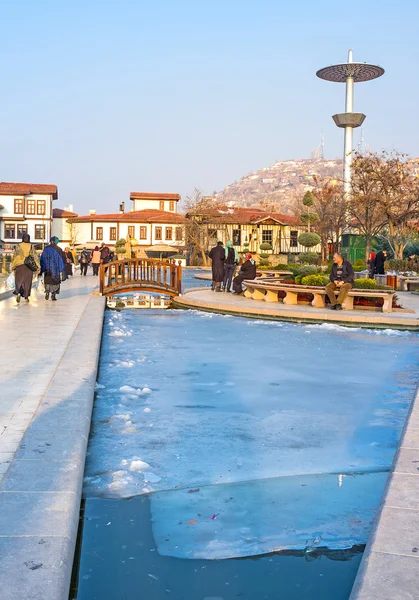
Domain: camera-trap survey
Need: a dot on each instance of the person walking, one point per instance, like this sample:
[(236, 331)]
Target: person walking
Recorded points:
[(380, 259), (69, 262), (25, 264), (342, 279), (247, 271), (96, 260), (105, 254), (230, 264), (217, 256), (84, 260), (52, 268)]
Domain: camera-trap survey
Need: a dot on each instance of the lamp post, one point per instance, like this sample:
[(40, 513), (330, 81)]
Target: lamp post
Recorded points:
[(349, 73)]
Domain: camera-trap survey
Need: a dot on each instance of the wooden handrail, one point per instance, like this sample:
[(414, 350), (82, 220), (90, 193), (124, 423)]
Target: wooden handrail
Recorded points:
[(134, 272)]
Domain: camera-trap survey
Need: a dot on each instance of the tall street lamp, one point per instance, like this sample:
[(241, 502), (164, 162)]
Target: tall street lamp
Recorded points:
[(349, 73)]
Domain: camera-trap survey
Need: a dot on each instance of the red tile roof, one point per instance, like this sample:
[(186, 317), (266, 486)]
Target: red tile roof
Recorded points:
[(139, 216), (61, 213), (153, 196), (22, 189), (243, 216)]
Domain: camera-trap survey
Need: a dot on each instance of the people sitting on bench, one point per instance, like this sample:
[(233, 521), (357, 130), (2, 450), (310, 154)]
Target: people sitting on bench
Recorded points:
[(247, 271), (342, 279)]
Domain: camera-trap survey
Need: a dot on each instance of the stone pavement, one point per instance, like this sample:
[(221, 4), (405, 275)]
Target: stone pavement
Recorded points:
[(49, 354), (205, 299)]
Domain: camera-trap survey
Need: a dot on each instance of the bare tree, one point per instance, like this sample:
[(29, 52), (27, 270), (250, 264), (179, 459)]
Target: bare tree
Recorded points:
[(331, 210), (384, 198), (197, 230), (73, 231)]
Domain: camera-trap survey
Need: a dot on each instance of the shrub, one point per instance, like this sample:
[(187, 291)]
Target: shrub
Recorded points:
[(266, 246), (365, 284), (264, 255), (298, 278), (120, 246), (308, 270), (309, 239), (318, 280), (281, 267), (360, 265), (311, 258), (398, 265)]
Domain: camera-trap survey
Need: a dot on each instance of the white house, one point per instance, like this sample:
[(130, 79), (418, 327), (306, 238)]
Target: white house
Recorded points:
[(153, 221), (67, 233), (26, 208)]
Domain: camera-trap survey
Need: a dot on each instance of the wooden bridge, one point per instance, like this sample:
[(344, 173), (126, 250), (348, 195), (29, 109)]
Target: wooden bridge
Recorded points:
[(139, 275)]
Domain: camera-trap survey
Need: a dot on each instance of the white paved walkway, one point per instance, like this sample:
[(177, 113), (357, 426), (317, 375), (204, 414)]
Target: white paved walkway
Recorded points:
[(33, 340)]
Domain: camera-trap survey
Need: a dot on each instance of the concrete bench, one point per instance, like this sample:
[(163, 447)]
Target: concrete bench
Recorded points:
[(265, 290)]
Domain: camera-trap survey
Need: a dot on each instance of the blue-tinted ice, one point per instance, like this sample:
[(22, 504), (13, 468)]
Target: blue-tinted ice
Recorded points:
[(187, 400)]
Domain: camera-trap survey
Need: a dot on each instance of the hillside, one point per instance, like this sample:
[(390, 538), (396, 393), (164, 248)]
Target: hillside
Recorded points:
[(279, 185)]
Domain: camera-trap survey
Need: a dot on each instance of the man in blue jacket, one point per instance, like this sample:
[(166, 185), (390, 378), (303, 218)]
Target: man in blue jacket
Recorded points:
[(342, 279)]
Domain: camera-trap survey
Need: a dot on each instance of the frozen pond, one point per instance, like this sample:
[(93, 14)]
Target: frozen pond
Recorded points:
[(250, 436)]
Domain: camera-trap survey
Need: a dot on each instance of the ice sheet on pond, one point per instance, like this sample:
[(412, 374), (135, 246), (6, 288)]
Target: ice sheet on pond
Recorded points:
[(259, 517), (216, 400)]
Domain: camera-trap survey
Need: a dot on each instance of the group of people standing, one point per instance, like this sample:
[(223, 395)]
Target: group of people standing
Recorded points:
[(55, 265), (224, 262)]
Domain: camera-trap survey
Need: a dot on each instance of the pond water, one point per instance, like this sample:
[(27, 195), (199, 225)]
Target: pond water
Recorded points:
[(234, 458)]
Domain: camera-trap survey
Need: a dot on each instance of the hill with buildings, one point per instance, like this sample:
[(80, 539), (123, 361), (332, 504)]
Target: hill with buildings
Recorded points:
[(280, 185)]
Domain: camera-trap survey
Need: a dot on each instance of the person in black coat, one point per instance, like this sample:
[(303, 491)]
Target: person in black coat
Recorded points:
[(217, 256), (247, 271), (342, 279), (380, 258)]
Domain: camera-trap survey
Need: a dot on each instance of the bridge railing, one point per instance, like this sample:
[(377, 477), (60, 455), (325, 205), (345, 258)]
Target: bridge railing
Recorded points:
[(149, 273)]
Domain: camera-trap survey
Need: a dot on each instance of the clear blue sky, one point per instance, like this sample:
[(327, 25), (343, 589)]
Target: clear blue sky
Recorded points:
[(106, 97)]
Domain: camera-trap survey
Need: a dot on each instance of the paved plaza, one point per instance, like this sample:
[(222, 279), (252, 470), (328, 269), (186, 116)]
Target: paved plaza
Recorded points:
[(49, 361)]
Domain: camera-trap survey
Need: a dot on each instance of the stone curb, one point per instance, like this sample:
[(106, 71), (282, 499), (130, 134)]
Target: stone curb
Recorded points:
[(40, 494), (389, 569)]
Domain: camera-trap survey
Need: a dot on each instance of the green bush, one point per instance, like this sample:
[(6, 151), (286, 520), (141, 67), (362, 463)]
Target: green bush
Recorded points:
[(317, 280), (298, 278), (266, 246), (281, 267), (311, 258), (360, 265), (308, 270), (309, 239), (365, 284), (264, 255)]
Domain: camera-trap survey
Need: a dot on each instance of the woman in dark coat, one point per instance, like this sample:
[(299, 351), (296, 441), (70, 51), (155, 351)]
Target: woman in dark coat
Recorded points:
[(23, 274), (247, 271), (217, 256), (52, 266), (69, 262)]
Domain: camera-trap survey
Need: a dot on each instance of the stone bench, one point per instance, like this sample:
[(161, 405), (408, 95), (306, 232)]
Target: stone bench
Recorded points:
[(265, 290)]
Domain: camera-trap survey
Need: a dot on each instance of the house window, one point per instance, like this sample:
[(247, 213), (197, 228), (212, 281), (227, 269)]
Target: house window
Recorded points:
[(237, 237), (99, 233), (39, 232), (179, 234), (293, 239), (131, 231), (21, 229), (41, 207), (19, 204), (212, 234), (112, 234), (172, 205), (169, 233), (9, 231), (267, 236), (30, 207), (161, 204), (158, 233), (143, 233)]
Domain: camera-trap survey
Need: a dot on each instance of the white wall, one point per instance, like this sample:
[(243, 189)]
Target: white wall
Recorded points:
[(155, 205), (85, 235), (29, 220)]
